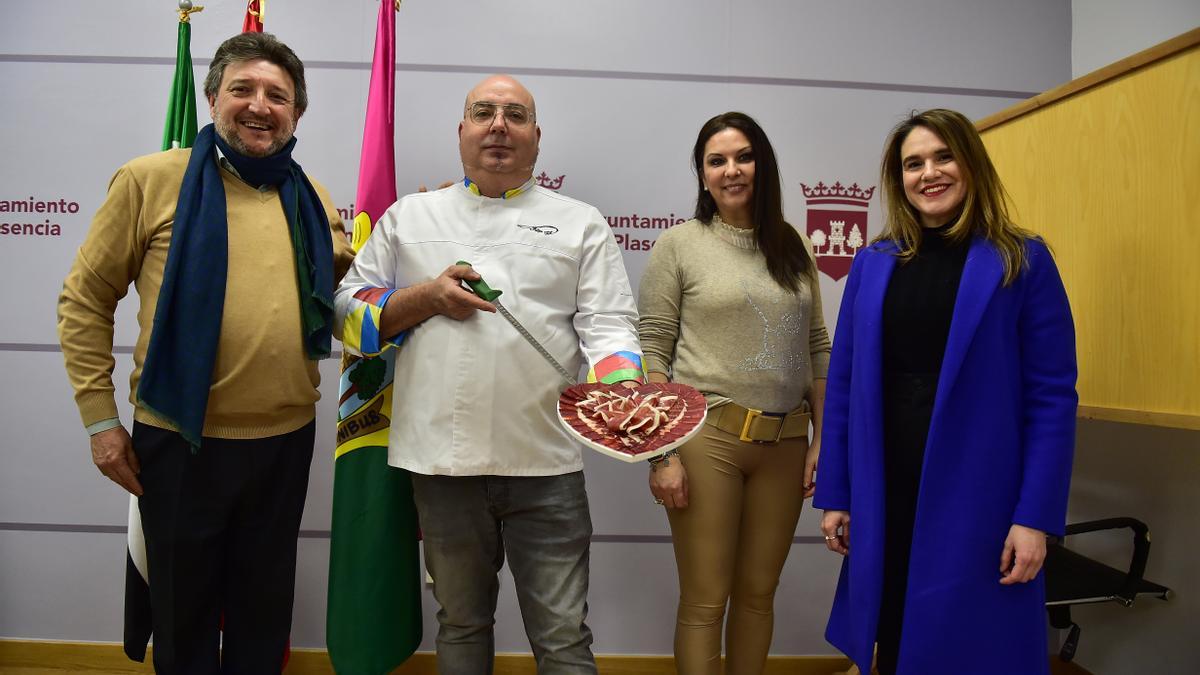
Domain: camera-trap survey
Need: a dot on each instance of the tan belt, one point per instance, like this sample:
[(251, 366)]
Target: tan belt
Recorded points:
[(756, 426)]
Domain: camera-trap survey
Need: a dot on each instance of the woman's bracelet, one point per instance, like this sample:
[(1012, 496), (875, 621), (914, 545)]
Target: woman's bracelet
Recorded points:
[(663, 459)]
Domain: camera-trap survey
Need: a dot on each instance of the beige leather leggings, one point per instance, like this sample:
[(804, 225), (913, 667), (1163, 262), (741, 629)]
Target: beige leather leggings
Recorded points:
[(730, 545)]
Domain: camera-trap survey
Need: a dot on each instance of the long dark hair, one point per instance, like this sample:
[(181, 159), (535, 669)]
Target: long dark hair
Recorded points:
[(984, 209), (779, 242)]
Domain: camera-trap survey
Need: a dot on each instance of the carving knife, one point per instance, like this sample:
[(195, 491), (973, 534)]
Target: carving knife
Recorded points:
[(489, 294)]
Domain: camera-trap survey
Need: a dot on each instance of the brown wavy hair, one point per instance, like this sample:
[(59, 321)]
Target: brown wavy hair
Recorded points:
[(251, 47), (984, 209), (779, 242)]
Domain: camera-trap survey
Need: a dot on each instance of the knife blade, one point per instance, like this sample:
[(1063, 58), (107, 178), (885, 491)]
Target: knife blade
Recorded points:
[(489, 294)]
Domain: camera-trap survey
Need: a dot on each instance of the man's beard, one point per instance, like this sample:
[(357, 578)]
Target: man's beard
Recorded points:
[(229, 134)]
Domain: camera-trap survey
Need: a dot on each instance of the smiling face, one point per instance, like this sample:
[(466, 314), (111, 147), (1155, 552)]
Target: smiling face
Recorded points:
[(933, 180), (498, 150), (254, 109), (729, 175)]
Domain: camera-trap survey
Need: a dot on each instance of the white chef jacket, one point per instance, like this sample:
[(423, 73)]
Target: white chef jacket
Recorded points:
[(473, 397)]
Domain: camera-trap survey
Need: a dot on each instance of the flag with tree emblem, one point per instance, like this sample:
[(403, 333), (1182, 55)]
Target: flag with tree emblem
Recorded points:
[(374, 610)]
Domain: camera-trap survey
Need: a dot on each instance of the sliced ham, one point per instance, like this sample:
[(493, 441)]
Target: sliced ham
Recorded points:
[(632, 424)]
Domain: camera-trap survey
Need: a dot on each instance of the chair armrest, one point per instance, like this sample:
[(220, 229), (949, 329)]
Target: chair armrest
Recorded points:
[(1141, 549)]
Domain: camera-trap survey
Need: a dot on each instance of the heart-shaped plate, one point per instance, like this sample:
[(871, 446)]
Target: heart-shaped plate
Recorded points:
[(632, 424)]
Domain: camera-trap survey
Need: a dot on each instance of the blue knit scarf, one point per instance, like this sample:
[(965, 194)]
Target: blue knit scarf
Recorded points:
[(179, 363)]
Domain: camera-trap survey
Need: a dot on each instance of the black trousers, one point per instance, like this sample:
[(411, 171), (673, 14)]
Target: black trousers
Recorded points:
[(908, 412), (220, 527)]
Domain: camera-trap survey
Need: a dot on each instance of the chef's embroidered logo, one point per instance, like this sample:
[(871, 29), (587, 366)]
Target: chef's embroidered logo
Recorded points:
[(540, 229), (837, 224), (544, 180)]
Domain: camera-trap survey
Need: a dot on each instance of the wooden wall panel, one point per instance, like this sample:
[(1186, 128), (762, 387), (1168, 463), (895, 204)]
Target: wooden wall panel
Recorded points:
[(1111, 176)]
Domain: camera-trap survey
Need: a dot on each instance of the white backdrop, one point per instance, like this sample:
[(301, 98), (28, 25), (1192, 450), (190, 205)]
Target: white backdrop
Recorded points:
[(622, 88)]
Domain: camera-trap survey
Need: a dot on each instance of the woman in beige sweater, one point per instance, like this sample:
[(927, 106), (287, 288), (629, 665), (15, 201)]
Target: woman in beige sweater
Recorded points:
[(730, 305)]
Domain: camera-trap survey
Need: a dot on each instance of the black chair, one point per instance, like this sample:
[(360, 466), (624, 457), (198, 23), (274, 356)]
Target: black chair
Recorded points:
[(1074, 579)]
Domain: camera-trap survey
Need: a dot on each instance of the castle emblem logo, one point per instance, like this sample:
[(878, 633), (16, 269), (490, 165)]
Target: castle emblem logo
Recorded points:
[(544, 180), (837, 224)]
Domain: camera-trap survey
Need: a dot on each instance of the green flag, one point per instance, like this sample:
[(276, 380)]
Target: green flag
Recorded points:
[(180, 130)]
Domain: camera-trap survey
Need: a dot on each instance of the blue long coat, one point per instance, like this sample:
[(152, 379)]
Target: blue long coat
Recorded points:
[(999, 452)]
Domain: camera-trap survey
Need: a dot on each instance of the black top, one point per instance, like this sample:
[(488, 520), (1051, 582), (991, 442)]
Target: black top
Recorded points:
[(919, 305), (916, 324)]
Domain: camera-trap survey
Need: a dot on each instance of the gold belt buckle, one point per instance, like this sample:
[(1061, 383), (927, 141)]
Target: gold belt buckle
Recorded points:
[(751, 415)]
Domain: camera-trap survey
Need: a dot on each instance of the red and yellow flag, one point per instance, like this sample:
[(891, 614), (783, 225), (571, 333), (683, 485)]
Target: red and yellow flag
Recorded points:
[(256, 11)]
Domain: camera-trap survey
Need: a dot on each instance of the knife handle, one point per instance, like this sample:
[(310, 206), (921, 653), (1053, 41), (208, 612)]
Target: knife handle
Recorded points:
[(480, 287)]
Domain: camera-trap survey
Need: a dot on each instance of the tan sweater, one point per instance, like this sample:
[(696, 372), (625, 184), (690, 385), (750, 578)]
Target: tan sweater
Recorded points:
[(263, 383), (712, 317)]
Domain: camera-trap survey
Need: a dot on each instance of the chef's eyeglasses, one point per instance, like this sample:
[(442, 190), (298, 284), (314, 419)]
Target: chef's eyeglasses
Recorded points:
[(515, 114)]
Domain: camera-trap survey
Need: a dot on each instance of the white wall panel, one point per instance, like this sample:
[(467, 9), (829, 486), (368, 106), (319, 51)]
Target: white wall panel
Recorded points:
[(1105, 31)]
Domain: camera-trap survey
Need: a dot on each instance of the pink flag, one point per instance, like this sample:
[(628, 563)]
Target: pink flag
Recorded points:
[(377, 164)]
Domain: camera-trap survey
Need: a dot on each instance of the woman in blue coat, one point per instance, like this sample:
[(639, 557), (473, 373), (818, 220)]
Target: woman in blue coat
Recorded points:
[(949, 420)]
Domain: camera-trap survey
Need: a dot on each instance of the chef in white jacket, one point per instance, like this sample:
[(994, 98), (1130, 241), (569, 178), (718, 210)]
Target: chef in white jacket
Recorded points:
[(474, 405)]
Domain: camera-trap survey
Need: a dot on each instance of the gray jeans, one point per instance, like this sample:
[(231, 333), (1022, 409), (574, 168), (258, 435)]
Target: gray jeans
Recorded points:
[(468, 523)]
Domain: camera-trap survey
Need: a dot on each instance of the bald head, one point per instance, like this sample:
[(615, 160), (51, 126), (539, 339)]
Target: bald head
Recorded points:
[(498, 142), (500, 83)]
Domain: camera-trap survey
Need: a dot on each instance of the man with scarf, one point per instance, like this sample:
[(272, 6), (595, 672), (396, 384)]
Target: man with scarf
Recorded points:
[(234, 253)]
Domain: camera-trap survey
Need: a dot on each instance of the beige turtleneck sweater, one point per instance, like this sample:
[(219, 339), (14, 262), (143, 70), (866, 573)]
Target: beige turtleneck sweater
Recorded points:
[(713, 318)]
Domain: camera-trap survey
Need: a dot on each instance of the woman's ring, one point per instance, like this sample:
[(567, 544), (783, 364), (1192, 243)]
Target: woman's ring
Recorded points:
[(658, 501), (830, 537)]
